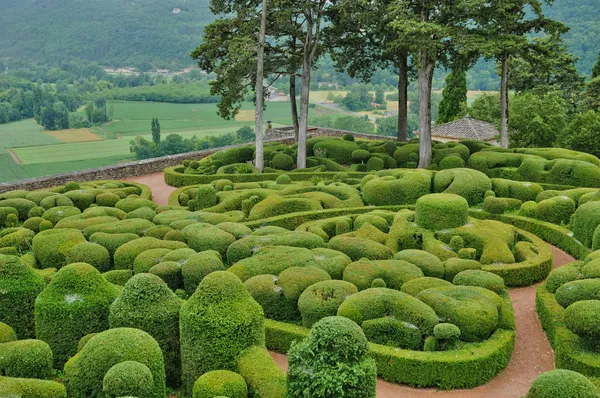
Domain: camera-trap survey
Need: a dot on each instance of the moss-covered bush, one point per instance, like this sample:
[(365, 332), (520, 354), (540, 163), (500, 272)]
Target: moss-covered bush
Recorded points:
[(52, 247), (26, 358), (217, 323), (218, 383), (346, 370), (441, 211), (85, 372), (91, 253), (75, 303), (128, 378), (20, 285), (562, 383), (146, 303)]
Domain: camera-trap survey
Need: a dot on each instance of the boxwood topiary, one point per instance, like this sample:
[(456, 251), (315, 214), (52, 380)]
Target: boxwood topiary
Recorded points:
[(91, 253), (52, 247), (26, 358), (218, 383), (20, 285), (112, 241), (85, 372), (394, 272), (128, 378), (582, 319), (427, 262), (7, 333), (56, 201), (585, 222), (579, 290), (360, 156), (392, 332), (170, 273), (75, 303), (375, 164), (203, 236), (282, 161), (31, 388), (441, 211), (557, 210), (336, 149), (357, 248), (480, 278), (199, 266), (146, 303), (147, 259), (415, 286), (130, 204), (126, 254), (562, 383), (346, 370), (323, 299), (217, 323), (453, 161), (23, 206), (468, 183)]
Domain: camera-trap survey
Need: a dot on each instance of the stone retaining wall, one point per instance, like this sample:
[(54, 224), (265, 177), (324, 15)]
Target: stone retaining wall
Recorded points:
[(148, 166)]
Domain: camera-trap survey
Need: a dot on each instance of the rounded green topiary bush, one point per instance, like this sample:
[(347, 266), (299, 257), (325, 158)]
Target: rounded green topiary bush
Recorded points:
[(199, 266), (128, 378), (348, 137), (578, 290), (283, 179), (557, 210), (446, 331), (75, 303), (427, 262), (7, 333), (26, 358), (85, 372), (346, 370), (170, 273), (375, 164), (51, 247), (441, 211), (34, 388), (582, 319), (107, 199), (203, 236), (217, 323), (90, 253), (56, 201), (585, 222), (55, 214), (20, 285), (323, 299), (415, 286), (282, 161), (528, 209), (480, 278), (34, 223), (130, 204), (562, 383), (453, 161), (394, 272), (206, 196), (147, 303), (218, 383), (360, 156)]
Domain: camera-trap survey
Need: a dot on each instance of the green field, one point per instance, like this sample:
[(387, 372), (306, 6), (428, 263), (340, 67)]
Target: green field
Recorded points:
[(41, 154)]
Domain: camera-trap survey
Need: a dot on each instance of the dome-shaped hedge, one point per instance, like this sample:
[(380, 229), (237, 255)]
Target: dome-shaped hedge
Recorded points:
[(562, 383)]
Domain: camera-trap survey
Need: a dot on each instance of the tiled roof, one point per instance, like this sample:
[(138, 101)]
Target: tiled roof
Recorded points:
[(466, 128)]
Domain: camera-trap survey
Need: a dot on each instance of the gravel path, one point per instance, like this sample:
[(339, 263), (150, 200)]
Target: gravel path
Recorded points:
[(532, 355)]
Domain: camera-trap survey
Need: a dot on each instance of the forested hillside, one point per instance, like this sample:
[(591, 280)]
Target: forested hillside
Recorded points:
[(111, 32), (149, 33)]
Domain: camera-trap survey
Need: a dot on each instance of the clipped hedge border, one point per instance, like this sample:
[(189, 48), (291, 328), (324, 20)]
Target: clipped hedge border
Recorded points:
[(466, 368), (146, 191), (175, 178), (569, 350)]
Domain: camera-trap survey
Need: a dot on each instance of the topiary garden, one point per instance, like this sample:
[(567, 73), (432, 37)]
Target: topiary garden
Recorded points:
[(357, 267)]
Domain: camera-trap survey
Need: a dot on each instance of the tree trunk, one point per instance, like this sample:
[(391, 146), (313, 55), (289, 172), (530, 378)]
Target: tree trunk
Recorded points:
[(303, 125), (294, 105), (504, 103), (403, 97), (426, 69), (260, 161)]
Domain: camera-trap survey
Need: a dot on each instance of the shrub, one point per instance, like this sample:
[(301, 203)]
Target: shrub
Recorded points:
[(75, 303), (206, 196), (118, 277), (336, 149), (37, 211), (55, 214), (452, 162), (582, 319), (52, 247), (107, 199), (26, 358), (170, 273), (91, 253), (130, 204), (22, 206), (495, 205), (112, 241), (383, 302), (557, 210), (56, 201), (528, 209), (282, 161), (480, 278), (394, 272), (375, 164), (126, 254), (474, 310), (20, 285), (323, 299), (148, 259), (263, 376), (84, 372), (403, 188), (82, 199), (199, 266), (217, 323), (391, 332), (283, 179), (579, 290), (441, 211), (237, 251), (427, 262), (158, 231), (31, 388), (18, 240), (146, 303), (145, 213), (128, 378), (33, 223), (562, 383), (348, 137), (357, 248), (6, 333), (470, 184), (4, 213), (360, 156), (415, 286), (203, 236), (346, 370), (220, 383)]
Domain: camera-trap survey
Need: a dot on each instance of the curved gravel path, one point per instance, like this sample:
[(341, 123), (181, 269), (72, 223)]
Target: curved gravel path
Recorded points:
[(532, 355)]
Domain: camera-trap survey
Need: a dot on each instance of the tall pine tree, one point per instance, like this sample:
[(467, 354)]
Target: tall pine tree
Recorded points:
[(454, 99), (596, 69)]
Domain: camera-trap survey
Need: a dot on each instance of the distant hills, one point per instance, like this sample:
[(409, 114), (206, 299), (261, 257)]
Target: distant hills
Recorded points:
[(161, 33)]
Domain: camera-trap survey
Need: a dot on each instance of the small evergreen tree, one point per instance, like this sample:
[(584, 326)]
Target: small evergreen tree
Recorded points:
[(155, 131), (596, 69), (454, 99)]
